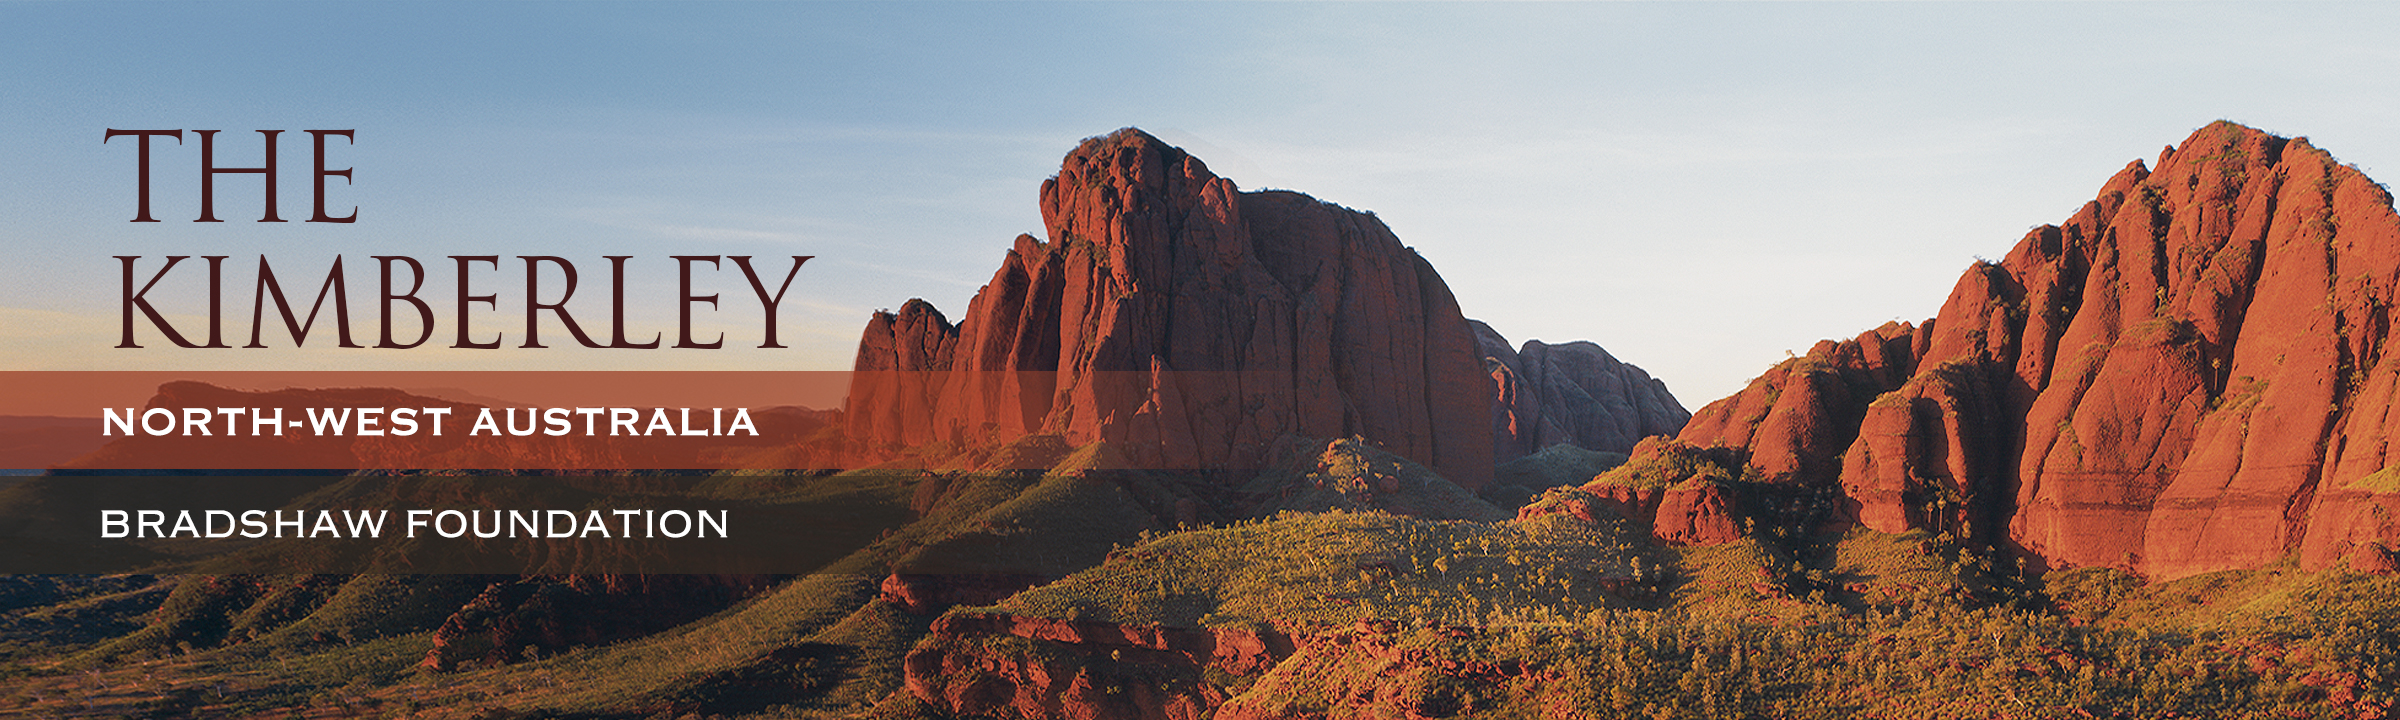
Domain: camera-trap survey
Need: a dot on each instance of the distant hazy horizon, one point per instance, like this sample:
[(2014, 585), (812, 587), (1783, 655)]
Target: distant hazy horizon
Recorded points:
[(1697, 187)]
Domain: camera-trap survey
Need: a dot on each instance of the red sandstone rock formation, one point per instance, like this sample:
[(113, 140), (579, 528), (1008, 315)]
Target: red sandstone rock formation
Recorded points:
[(1543, 395), (1696, 513), (1191, 323), (1006, 665), (1636, 505), (1919, 450), (1676, 493), (1372, 670), (902, 359), (1795, 420), (927, 594), (1681, 494), (2190, 374)]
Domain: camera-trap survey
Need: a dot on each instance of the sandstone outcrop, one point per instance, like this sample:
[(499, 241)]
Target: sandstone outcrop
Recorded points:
[(994, 664), (902, 359), (2190, 374), (1544, 394), (1374, 670), (1794, 421), (1681, 494), (1696, 513), (1191, 323)]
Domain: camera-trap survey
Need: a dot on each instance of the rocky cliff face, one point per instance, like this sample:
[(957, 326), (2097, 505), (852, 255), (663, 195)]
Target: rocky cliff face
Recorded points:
[(1544, 394), (903, 359), (2187, 375), (1191, 323)]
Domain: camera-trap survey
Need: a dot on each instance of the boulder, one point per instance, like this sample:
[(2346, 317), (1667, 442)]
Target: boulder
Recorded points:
[(1697, 512)]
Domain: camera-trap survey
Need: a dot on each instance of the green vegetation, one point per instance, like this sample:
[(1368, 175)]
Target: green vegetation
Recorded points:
[(2386, 480), (1352, 475), (1378, 612), (1909, 630), (1322, 570), (1923, 660), (1661, 462)]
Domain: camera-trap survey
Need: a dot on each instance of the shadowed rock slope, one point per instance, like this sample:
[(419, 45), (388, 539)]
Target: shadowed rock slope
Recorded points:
[(1188, 323), (1576, 393), (2187, 375)]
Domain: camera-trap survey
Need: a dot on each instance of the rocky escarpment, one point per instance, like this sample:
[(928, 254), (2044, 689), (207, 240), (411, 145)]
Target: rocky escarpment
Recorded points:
[(2190, 374), (1188, 322), (901, 366), (1014, 666), (1576, 393), (1188, 624), (988, 664)]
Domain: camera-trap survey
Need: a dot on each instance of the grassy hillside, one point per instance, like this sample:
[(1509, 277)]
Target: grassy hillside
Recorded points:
[(1384, 600)]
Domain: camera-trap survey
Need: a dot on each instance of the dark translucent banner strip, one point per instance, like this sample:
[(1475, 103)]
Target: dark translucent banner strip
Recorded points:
[(561, 524)]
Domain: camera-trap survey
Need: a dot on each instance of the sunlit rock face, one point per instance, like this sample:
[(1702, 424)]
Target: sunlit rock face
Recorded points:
[(2186, 375), (1190, 323)]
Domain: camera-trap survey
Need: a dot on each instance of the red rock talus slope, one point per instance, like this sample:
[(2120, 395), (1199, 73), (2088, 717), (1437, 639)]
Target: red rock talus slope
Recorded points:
[(2189, 374), (1544, 394), (1191, 323)]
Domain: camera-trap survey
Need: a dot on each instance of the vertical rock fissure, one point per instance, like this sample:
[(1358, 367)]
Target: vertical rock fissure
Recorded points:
[(2187, 375)]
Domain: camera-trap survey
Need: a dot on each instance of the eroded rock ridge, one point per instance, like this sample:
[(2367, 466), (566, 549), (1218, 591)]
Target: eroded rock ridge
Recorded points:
[(2189, 374), (1190, 323)]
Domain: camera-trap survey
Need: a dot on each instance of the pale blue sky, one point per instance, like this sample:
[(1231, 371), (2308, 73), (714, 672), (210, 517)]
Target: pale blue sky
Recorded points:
[(1699, 187)]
